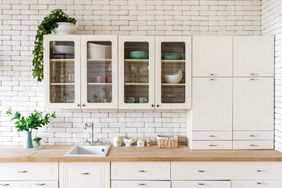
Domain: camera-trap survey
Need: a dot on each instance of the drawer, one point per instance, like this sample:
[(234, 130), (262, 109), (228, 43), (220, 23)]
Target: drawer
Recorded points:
[(29, 171), (140, 171), (211, 145), (141, 184), (224, 170), (10, 184), (253, 144), (253, 135), (212, 135), (256, 184), (201, 184), (41, 184)]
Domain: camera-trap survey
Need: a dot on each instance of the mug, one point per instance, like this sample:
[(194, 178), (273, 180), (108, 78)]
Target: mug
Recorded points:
[(117, 141)]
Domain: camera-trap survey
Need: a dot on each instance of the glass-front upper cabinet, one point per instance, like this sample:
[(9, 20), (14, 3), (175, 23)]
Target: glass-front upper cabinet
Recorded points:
[(136, 72), (99, 71), (62, 71), (173, 72)]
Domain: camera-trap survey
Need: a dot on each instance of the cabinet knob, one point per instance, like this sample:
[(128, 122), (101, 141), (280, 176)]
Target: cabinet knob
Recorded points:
[(78, 105), (152, 105), (22, 171), (142, 171), (201, 171), (5, 184), (201, 184), (40, 184), (142, 184), (84, 105), (158, 105)]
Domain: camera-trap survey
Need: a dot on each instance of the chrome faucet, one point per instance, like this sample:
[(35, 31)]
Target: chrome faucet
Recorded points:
[(92, 142)]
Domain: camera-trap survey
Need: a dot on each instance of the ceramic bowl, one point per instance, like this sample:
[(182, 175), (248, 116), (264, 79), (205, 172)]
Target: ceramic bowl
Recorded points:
[(65, 28), (63, 49), (129, 141), (174, 78), (99, 51), (138, 54)]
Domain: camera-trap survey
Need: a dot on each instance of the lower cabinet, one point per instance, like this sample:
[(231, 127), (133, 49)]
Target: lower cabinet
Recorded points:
[(256, 184), (143, 184), (28, 184), (198, 184), (85, 175)]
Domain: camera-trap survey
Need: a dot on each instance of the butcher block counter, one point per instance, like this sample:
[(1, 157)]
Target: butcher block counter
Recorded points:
[(134, 154)]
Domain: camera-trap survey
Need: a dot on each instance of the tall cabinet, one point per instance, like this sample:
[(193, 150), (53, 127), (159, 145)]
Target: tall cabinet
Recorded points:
[(232, 93)]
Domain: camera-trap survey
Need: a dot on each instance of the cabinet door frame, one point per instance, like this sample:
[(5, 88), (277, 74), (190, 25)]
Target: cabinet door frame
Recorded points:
[(98, 38), (151, 90), (46, 58), (188, 72)]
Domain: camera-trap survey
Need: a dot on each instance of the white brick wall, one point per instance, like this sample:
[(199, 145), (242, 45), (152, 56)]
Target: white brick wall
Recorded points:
[(18, 24), (272, 25)]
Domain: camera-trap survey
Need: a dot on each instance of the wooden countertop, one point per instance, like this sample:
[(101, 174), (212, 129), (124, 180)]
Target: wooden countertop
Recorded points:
[(134, 154)]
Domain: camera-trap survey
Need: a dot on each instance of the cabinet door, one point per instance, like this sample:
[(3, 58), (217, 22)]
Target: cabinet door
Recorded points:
[(86, 175), (212, 56), (62, 71), (253, 104), (173, 73), (253, 55), (141, 184), (41, 184), (99, 71), (212, 104), (257, 184), (136, 72), (199, 184)]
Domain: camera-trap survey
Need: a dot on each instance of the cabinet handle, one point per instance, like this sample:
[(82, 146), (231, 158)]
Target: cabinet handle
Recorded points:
[(142, 171), (252, 135), (212, 136), (201, 171), (41, 184), (4, 184), (142, 184), (201, 184), (78, 105), (22, 171), (253, 74), (84, 173), (259, 170), (213, 145), (252, 79), (259, 183), (212, 79), (212, 74), (254, 145)]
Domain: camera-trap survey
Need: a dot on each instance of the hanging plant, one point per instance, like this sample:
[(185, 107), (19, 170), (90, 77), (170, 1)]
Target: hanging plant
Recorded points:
[(46, 26)]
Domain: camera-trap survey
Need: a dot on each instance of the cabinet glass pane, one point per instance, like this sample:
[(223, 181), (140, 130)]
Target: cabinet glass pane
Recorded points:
[(99, 72), (136, 78), (173, 72), (62, 72)]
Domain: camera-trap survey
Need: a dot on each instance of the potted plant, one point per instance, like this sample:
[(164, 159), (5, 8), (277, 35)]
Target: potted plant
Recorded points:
[(49, 23), (37, 142), (33, 121)]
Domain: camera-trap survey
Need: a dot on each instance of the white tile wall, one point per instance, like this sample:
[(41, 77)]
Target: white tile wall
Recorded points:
[(18, 24), (271, 20)]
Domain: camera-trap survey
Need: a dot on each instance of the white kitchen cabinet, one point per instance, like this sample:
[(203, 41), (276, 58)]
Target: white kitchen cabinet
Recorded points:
[(99, 72), (173, 59), (200, 184), (141, 184), (253, 56), (86, 175), (136, 72), (212, 56), (62, 71), (212, 104), (257, 184), (80, 71), (253, 104)]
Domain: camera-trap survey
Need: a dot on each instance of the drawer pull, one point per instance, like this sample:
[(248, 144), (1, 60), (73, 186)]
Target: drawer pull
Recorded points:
[(5, 184), (260, 170), (22, 171), (212, 74), (85, 173), (201, 171), (253, 74), (213, 136), (252, 135), (142, 171), (142, 184), (259, 183), (254, 145), (212, 145), (201, 184), (212, 79), (41, 184)]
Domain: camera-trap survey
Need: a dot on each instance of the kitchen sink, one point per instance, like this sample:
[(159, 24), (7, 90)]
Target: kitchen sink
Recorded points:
[(88, 151)]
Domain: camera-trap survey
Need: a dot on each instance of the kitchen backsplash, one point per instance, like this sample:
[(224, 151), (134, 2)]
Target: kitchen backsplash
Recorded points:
[(19, 20)]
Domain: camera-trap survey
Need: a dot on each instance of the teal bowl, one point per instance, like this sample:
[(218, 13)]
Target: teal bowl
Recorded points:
[(138, 54), (171, 57)]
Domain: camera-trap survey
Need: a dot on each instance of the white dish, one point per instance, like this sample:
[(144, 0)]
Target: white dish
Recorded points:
[(63, 49), (99, 51), (65, 28), (128, 141), (174, 78)]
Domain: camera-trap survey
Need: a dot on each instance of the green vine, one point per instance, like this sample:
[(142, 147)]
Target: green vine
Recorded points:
[(46, 26)]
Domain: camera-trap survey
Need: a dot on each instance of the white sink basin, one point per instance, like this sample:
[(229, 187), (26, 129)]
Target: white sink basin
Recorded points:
[(88, 151)]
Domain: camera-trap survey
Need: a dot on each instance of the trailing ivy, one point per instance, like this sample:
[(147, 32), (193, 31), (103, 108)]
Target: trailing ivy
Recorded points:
[(46, 26)]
